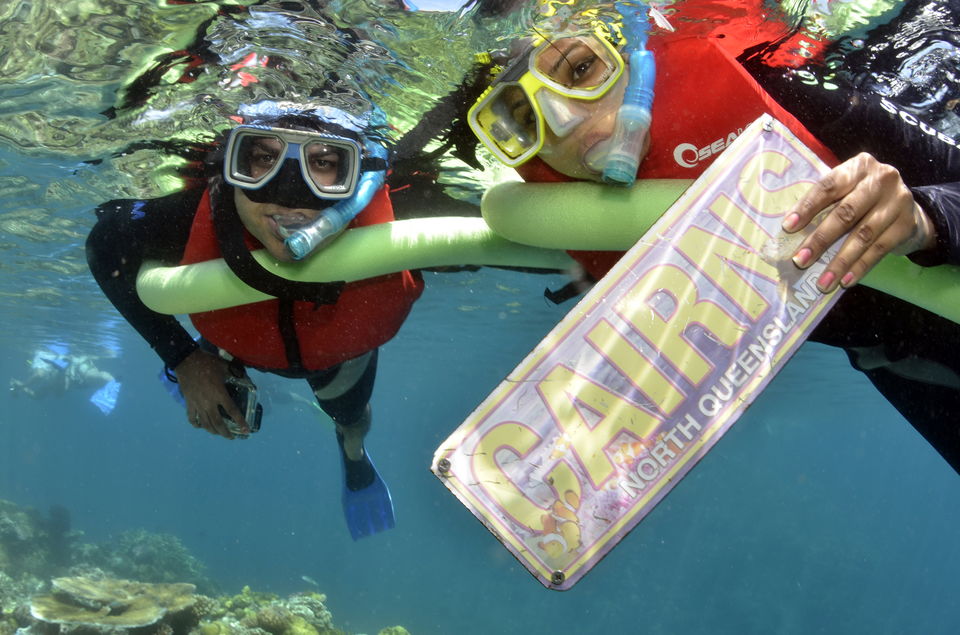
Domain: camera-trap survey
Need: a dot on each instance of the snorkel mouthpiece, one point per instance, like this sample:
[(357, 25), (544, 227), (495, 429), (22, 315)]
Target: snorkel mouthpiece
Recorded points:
[(320, 232), (633, 118), (335, 219), (633, 122)]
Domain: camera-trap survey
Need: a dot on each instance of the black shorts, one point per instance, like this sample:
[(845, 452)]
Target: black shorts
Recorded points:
[(345, 409)]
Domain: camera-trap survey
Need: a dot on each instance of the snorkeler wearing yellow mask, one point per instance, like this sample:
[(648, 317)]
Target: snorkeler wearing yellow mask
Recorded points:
[(552, 111)]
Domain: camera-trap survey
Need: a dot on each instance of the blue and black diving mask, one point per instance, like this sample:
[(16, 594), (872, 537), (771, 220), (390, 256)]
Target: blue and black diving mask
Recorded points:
[(312, 157), (298, 155), (293, 168)]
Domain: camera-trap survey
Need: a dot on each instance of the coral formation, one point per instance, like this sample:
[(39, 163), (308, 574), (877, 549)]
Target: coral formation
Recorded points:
[(143, 584), (264, 613), (110, 602), (15, 591), (41, 547), (203, 606), (246, 599), (313, 609), (32, 543), (8, 626), (146, 556)]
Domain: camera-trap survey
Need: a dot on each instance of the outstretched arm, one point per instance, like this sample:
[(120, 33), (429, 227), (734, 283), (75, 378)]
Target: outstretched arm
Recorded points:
[(128, 232), (900, 196)]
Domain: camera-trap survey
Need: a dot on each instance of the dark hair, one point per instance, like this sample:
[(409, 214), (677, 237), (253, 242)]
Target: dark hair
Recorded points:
[(446, 122)]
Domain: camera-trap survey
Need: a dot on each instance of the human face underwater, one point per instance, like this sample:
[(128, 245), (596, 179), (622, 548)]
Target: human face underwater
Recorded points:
[(580, 154), (558, 100), (283, 179)]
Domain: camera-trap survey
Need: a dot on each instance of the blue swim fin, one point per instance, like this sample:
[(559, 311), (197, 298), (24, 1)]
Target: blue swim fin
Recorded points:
[(367, 504), (59, 349), (106, 397)]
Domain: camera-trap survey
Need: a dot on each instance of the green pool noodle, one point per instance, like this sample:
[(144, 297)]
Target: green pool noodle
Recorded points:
[(579, 215), (592, 216), (523, 225), (365, 252)]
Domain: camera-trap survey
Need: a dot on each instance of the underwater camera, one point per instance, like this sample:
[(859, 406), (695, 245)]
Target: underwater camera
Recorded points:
[(244, 394)]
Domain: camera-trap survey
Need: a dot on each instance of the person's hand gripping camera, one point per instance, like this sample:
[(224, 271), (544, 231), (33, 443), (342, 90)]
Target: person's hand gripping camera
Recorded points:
[(219, 396)]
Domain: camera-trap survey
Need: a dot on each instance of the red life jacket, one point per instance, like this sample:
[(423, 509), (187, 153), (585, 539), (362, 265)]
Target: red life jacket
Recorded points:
[(367, 314), (704, 99), (737, 25)]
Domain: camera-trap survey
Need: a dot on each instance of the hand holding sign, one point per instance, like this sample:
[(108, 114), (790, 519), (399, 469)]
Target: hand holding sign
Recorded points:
[(874, 205)]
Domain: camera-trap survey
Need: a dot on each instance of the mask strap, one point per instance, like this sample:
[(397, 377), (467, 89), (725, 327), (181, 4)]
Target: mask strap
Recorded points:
[(230, 238), (373, 164)]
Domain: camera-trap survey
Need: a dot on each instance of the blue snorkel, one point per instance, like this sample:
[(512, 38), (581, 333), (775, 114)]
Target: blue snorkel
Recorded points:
[(633, 118), (335, 219)]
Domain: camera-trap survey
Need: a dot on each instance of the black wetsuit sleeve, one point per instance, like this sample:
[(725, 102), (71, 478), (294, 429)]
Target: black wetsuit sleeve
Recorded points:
[(942, 205), (127, 233), (928, 161), (849, 120)]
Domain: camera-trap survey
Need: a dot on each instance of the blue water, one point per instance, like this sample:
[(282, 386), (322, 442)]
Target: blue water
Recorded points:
[(821, 511)]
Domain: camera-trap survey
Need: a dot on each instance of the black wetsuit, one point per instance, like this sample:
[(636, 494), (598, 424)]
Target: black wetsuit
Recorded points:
[(851, 118), (126, 234)]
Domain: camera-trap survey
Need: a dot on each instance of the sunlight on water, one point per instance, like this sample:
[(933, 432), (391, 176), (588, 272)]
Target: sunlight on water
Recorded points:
[(99, 100)]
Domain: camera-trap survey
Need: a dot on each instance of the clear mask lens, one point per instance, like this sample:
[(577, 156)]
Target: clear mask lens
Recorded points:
[(256, 157), (561, 113), (581, 66), (506, 121), (328, 165)]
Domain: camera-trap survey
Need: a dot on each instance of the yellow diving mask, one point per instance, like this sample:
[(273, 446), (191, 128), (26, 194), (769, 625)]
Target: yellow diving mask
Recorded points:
[(552, 83)]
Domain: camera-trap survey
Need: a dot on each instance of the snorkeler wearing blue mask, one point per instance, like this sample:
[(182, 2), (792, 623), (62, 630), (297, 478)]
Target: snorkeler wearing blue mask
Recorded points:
[(290, 178), (313, 182)]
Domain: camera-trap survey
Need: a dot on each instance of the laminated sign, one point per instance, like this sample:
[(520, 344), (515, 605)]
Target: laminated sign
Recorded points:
[(647, 372)]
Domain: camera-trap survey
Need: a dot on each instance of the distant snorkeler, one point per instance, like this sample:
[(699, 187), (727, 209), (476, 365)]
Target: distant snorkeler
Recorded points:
[(289, 179), (54, 372)]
